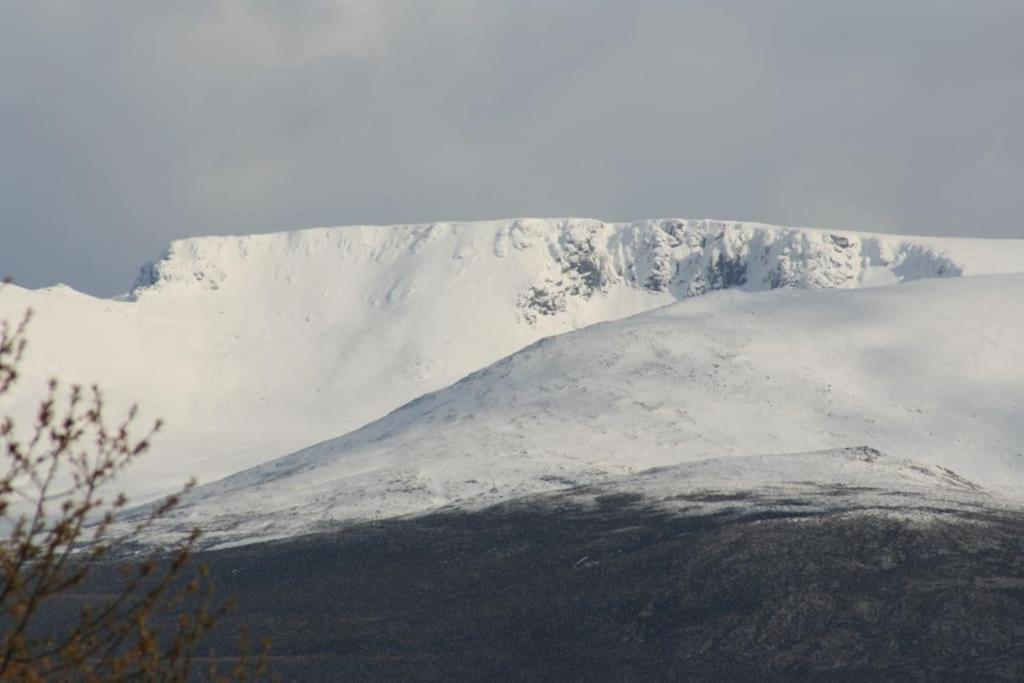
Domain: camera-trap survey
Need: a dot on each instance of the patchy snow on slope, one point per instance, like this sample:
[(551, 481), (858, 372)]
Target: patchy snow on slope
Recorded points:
[(931, 371), (859, 479), (251, 347)]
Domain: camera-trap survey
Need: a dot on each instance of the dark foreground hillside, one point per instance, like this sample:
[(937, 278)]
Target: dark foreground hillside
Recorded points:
[(620, 592)]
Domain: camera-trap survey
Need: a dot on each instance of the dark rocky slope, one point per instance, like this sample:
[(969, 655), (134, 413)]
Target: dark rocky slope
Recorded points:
[(542, 589)]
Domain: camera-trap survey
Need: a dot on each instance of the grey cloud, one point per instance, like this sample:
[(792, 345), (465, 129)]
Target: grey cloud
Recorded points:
[(125, 125)]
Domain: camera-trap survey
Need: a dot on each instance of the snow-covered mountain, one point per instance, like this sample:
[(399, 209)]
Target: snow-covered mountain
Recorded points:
[(251, 347), (930, 372)]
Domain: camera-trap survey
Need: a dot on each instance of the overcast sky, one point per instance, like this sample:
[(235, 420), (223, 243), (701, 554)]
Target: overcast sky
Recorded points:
[(124, 125)]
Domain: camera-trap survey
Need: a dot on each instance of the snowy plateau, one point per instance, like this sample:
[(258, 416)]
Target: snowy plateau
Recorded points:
[(408, 369)]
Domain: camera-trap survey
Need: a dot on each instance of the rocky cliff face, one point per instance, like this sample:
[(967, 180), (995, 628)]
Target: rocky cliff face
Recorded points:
[(567, 260), (690, 258)]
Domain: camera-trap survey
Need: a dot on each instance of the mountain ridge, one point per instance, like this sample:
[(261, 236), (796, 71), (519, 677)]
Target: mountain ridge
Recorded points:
[(684, 257)]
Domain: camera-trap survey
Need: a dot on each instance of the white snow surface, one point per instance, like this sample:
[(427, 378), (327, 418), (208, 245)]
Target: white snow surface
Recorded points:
[(931, 372), (251, 347)]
